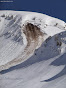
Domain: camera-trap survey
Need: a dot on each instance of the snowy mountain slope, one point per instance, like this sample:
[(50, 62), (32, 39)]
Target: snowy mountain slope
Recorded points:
[(45, 69), (32, 50), (13, 39)]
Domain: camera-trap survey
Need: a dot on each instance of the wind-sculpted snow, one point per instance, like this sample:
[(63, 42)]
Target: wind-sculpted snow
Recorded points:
[(47, 67), (32, 50)]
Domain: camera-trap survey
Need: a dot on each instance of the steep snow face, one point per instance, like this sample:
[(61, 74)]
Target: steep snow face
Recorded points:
[(23, 32), (32, 50), (15, 36), (45, 69), (11, 40)]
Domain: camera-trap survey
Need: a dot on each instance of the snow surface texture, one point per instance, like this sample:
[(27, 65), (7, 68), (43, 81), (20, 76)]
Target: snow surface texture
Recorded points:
[(32, 50)]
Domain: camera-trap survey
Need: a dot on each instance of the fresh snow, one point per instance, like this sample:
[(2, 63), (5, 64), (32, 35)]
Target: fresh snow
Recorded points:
[(44, 66)]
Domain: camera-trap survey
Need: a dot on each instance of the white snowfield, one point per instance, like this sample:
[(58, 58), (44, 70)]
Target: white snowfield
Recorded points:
[(32, 50)]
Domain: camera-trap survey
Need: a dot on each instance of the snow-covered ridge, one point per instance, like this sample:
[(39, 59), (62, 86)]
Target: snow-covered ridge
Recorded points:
[(46, 68), (16, 41)]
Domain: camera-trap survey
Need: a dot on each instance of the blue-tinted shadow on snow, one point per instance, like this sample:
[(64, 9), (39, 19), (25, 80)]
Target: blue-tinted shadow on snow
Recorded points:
[(45, 52), (13, 30), (59, 61)]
